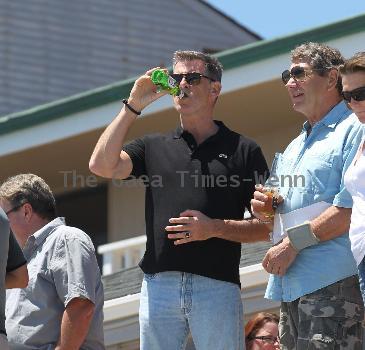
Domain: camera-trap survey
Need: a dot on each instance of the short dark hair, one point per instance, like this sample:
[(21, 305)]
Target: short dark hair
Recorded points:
[(213, 68), (32, 189), (320, 57), (354, 64)]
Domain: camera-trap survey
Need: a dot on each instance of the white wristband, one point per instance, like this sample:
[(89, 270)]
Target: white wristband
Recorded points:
[(302, 236)]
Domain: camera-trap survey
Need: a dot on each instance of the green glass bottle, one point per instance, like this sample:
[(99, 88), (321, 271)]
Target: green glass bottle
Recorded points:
[(166, 82)]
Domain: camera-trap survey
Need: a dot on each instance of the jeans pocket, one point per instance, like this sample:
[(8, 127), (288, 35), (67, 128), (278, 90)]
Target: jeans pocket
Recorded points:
[(150, 276)]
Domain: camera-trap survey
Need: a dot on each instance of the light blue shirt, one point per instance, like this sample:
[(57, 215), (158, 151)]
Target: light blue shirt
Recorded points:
[(321, 159)]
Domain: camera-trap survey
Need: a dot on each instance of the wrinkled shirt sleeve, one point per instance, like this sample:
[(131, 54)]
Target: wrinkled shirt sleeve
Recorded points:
[(73, 267), (137, 152)]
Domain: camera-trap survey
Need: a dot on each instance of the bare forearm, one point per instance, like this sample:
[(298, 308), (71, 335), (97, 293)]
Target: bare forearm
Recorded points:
[(332, 223), (192, 225), (106, 155), (75, 324), (243, 231), (107, 159)]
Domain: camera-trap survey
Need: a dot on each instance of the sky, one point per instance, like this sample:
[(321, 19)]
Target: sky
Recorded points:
[(275, 18)]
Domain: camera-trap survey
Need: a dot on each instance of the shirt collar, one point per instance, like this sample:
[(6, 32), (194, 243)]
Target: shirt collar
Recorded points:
[(332, 118), (42, 233), (307, 126), (36, 239), (180, 132)]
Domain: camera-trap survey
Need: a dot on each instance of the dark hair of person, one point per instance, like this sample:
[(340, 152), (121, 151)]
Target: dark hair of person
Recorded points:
[(213, 68), (354, 64)]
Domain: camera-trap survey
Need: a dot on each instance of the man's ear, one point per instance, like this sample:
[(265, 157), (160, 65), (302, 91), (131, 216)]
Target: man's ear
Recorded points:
[(215, 88), (28, 211), (333, 77)]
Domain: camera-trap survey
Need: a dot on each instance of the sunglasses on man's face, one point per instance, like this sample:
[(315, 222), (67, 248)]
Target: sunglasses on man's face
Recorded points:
[(299, 73), (191, 78), (17, 207), (356, 94)]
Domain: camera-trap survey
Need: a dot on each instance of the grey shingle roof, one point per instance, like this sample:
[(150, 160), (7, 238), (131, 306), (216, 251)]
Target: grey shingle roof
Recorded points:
[(53, 49), (232, 58), (129, 281)]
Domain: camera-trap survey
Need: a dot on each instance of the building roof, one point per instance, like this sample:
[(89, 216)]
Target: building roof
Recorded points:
[(233, 58), (128, 281), (229, 18), (50, 50)]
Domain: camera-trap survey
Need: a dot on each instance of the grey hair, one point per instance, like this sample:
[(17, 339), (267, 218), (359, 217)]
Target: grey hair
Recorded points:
[(320, 57), (32, 189)]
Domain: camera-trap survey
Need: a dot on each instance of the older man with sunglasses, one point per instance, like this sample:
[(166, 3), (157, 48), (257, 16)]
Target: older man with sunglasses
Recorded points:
[(191, 287), (312, 270)]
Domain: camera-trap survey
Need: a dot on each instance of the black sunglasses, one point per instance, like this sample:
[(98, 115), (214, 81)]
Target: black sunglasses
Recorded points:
[(193, 78), (298, 73), (14, 209), (356, 94)]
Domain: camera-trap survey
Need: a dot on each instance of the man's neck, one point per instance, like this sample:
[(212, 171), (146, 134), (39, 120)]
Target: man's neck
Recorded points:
[(324, 110), (33, 227), (200, 127)]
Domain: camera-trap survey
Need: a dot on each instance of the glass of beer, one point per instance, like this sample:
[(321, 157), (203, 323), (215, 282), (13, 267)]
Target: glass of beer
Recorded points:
[(271, 188)]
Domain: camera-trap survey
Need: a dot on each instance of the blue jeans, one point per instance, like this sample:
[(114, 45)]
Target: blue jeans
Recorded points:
[(361, 269), (172, 303)]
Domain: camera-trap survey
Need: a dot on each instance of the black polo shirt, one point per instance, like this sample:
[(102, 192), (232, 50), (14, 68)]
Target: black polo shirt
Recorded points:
[(216, 177)]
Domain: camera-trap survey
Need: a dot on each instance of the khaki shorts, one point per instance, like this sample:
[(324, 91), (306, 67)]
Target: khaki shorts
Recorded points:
[(330, 318)]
